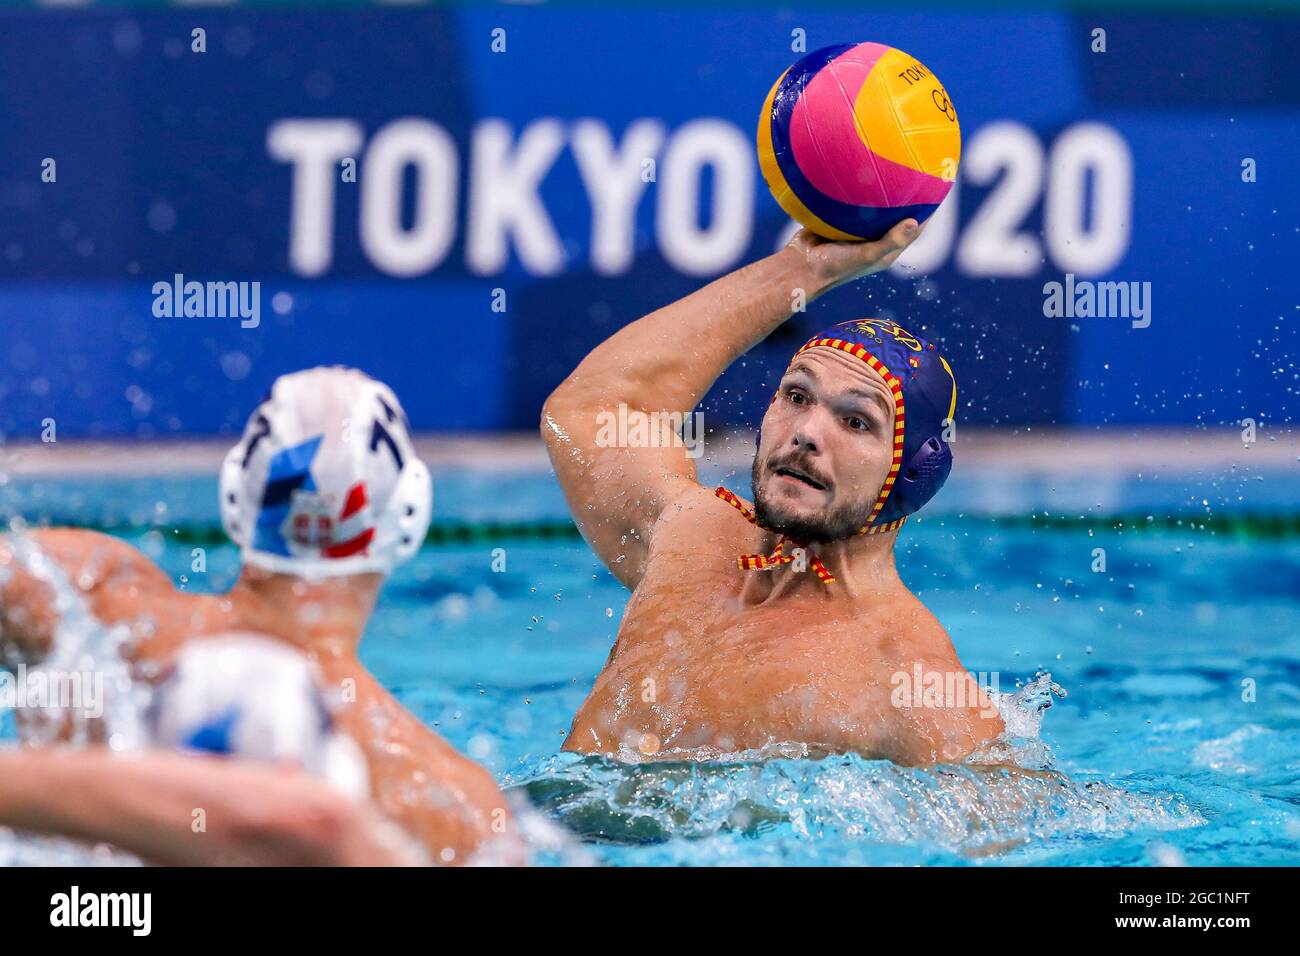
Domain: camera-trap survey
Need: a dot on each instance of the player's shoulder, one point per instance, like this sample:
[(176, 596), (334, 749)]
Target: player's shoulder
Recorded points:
[(74, 540), (929, 635), (697, 539), (92, 558), (904, 625), (707, 515)]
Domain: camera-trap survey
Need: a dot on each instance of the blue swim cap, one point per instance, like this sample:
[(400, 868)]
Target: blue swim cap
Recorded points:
[(925, 396)]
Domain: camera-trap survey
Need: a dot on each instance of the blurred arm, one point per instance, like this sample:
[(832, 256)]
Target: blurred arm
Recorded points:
[(148, 804)]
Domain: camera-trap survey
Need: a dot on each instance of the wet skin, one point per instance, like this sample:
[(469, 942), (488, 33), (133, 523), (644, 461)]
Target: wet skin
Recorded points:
[(712, 658), (447, 802)]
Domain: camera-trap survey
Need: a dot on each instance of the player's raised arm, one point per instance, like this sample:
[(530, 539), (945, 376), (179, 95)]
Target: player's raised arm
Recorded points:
[(663, 364)]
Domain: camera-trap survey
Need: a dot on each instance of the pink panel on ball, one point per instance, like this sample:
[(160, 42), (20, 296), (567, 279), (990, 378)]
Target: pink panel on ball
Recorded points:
[(835, 160)]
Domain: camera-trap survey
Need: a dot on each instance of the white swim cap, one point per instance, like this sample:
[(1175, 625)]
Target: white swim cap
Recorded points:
[(325, 480), (247, 695)]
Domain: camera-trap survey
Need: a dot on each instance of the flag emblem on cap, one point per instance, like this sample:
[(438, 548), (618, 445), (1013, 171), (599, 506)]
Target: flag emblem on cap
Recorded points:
[(294, 513)]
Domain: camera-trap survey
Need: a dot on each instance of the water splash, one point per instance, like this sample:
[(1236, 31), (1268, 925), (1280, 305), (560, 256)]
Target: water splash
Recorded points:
[(545, 842), (30, 850), (81, 646), (971, 810), (1005, 796), (1021, 743)]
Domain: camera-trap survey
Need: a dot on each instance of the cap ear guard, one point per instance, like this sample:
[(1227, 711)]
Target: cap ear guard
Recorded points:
[(405, 522), (919, 480), (931, 459), (238, 513)]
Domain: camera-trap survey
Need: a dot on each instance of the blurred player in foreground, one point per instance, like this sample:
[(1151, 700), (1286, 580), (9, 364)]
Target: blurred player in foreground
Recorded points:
[(325, 496)]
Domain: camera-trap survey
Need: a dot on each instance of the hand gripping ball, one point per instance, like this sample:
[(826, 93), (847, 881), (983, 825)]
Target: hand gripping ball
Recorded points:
[(857, 137)]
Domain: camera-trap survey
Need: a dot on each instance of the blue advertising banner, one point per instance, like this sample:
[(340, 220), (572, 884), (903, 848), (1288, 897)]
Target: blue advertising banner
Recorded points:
[(464, 200)]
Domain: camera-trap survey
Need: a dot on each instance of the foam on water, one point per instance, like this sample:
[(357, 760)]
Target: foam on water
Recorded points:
[(1003, 798)]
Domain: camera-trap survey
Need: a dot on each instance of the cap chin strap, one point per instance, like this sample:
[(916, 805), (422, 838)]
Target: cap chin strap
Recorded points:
[(778, 556)]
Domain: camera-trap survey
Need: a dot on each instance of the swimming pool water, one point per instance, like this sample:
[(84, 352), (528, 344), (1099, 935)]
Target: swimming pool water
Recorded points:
[(1176, 741)]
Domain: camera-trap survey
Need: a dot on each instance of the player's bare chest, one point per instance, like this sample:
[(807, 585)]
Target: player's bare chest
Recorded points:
[(707, 628)]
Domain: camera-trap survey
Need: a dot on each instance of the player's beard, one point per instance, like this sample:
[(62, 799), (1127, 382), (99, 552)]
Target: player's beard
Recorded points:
[(842, 521)]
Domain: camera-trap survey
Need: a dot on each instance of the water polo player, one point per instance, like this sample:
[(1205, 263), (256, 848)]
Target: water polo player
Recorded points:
[(786, 621), (325, 496)]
